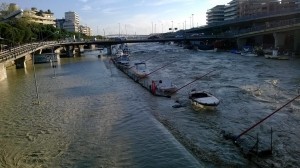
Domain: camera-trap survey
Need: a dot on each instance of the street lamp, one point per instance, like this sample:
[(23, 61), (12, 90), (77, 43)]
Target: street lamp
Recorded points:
[(193, 20), (35, 78), (1, 44), (119, 29)]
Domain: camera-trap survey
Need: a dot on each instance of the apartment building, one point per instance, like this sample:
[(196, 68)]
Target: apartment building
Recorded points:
[(41, 17), (248, 8), (215, 14), (71, 22), (85, 30)]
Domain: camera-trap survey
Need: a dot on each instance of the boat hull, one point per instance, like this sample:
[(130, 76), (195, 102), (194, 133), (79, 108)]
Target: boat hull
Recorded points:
[(203, 100)]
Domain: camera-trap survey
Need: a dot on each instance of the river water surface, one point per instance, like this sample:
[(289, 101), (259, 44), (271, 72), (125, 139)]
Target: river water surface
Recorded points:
[(92, 115)]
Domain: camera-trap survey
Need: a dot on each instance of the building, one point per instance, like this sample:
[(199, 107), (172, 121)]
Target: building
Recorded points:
[(71, 22), (85, 30), (215, 14), (42, 17), (248, 8), (231, 10), (60, 23)]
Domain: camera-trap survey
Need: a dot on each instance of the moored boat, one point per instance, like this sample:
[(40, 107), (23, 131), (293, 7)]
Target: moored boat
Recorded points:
[(123, 60), (248, 51), (165, 87), (275, 55), (203, 100), (140, 70)]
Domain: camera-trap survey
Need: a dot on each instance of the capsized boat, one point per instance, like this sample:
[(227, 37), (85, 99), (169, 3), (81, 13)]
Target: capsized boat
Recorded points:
[(203, 100)]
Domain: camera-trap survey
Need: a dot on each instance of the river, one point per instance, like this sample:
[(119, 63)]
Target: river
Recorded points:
[(92, 115)]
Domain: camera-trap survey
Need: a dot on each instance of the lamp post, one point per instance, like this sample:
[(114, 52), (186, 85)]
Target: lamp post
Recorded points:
[(53, 65), (1, 44), (119, 29), (35, 78), (193, 20), (172, 25)]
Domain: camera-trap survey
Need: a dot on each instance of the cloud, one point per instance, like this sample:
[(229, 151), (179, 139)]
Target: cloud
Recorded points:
[(111, 11), (83, 1), (86, 8)]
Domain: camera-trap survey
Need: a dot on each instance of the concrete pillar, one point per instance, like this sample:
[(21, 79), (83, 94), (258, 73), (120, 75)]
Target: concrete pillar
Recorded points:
[(40, 51), (297, 42), (109, 50), (279, 39), (3, 74), (81, 48), (20, 63), (92, 46), (69, 51), (241, 42)]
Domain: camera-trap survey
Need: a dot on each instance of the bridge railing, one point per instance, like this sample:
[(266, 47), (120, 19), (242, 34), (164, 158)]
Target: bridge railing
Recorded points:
[(13, 53), (267, 26)]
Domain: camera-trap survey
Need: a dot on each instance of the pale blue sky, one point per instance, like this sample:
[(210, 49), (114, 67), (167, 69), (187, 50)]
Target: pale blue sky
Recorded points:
[(134, 16)]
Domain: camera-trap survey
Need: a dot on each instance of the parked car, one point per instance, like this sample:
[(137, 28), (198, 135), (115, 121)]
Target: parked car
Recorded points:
[(179, 36), (153, 37)]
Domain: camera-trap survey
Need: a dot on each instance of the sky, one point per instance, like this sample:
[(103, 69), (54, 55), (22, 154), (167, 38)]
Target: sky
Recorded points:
[(130, 17)]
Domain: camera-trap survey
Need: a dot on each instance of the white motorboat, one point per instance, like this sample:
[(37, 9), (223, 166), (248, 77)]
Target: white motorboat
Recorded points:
[(275, 55), (123, 60), (203, 100), (248, 51), (165, 86), (119, 53), (140, 70)]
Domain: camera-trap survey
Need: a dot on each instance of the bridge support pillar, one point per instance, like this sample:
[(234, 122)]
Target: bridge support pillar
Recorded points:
[(70, 51), (78, 50), (109, 50), (20, 63), (279, 39), (297, 43), (92, 46), (3, 74), (81, 48), (241, 42)]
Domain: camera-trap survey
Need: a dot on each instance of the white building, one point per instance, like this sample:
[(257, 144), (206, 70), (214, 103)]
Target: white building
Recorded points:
[(71, 21), (85, 30), (215, 14), (42, 17), (231, 10)]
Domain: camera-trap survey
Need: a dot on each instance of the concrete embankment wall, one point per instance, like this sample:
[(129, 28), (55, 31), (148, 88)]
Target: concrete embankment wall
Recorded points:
[(19, 63), (2, 72)]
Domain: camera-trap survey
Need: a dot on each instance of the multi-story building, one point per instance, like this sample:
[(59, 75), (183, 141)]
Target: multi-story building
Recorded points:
[(60, 23), (245, 8), (85, 30), (231, 10), (71, 22), (215, 14), (255, 7), (42, 17)]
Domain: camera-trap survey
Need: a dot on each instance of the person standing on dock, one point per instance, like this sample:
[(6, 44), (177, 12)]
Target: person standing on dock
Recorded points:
[(153, 88)]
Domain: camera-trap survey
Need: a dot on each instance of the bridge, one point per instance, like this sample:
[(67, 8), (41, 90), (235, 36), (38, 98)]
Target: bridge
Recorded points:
[(279, 30)]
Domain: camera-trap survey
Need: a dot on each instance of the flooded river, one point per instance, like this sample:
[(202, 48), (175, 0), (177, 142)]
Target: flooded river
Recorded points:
[(92, 115)]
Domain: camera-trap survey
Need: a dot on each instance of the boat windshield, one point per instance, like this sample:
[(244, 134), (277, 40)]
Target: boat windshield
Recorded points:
[(140, 66)]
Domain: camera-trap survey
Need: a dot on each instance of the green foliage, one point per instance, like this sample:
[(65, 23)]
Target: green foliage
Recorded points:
[(20, 31)]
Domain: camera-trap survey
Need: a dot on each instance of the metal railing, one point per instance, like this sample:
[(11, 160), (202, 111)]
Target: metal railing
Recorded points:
[(15, 52)]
